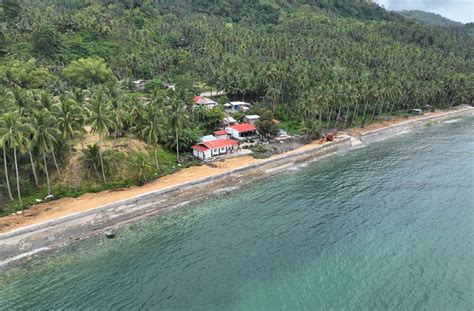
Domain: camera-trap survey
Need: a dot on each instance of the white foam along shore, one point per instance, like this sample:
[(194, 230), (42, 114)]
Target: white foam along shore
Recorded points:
[(26, 241)]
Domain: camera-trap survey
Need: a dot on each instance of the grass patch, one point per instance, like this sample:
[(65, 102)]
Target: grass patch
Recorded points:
[(291, 127)]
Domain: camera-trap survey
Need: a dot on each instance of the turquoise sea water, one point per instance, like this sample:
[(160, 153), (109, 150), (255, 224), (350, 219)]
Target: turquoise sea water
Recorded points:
[(388, 226)]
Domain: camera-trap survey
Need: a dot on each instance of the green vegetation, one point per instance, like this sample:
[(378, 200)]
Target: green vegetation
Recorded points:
[(431, 19), (72, 118)]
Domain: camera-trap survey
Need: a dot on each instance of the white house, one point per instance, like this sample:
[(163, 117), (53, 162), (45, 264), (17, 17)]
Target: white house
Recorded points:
[(204, 102), (229, 121), (221, 134), (209, 149), (208, 138), (242, 131), (234, 107), (252, 119), (140, 84)]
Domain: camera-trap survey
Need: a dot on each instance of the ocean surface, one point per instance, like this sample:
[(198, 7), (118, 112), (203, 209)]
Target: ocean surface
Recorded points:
[(389, 226)]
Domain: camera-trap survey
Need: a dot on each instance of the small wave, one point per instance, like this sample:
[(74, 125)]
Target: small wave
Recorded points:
[(21, 256), (359, 146), (452, 121), (226, 189)]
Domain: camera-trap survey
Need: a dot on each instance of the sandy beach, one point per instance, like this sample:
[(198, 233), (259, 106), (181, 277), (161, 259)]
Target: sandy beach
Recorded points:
[(67, 206)]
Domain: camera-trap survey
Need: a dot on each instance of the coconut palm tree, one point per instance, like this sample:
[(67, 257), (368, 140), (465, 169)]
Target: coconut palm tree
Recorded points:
[(152, 131), (177, 118), (14, 134), (69, 118), (92, 160), (45, 136), (21, 100), (141, 166), (101, 120), (44, 100)]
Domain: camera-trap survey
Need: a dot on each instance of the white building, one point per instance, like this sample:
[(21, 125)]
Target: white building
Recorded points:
[(204, 102), (234, 107), (228, 121), (221, 134), (209, 149), (252, 119), (242, 131)]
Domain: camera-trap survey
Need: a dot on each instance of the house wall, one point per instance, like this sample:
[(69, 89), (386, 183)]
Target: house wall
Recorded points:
[(222, 136), (233, 133), (201, 155)]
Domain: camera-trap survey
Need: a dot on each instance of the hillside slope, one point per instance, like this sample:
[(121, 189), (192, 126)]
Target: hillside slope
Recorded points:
[(431, 19)]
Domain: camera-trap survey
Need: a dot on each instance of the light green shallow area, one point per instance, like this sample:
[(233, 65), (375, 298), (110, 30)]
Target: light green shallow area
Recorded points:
[(387, 226)]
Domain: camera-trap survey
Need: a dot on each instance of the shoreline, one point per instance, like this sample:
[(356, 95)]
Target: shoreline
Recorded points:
[(43, 234)]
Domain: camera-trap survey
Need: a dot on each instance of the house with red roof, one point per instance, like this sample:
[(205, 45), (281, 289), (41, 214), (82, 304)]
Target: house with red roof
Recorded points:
[(242, 131), (204, 102), (209, 149)]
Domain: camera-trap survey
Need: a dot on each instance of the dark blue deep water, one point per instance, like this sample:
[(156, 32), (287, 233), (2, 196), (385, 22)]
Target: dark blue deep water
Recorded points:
[(388, 226)]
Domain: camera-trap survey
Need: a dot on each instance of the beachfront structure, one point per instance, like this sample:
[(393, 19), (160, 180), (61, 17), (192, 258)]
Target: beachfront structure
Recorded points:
[(204, 102), (234, 107), (218, 135), (208, 138), (221, 134), (242, 131), (209, 149), (252, 119)]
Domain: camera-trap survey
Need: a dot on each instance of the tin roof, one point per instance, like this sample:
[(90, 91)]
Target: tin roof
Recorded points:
[(244, 127), (219, 133), (220, 143)]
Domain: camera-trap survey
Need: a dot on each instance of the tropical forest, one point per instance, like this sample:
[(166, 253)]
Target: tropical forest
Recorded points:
[(73, 120)]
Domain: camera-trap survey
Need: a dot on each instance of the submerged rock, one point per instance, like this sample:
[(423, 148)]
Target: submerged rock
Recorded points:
[(109, 234)]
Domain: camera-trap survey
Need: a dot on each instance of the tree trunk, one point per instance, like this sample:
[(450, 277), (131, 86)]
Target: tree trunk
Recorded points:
[(46, 173), (17, 177), (329, 121), (373, 114), (354, 115), (56, 164), (34, 169), (348, 113), (156, 158), (82, 143), (10, 196), (391, 108), (363, 116), (177, 147), (102, 161), (338, 115)]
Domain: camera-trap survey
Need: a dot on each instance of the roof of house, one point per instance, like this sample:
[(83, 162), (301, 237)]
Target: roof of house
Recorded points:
[(201, 100), (213, 144), (244, 127), (239, 104), (230, 120), (253, 117), (220, 143), (219, 133), (200, 147)]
